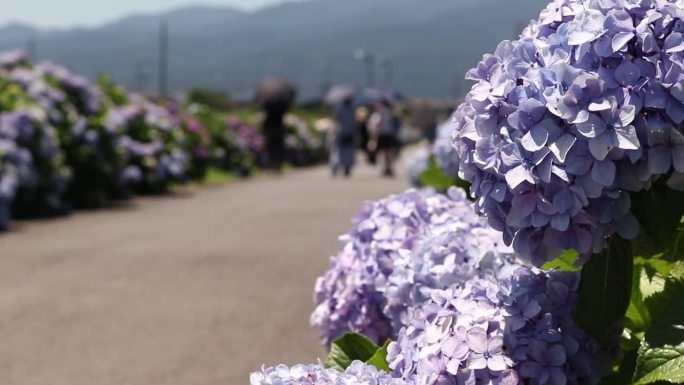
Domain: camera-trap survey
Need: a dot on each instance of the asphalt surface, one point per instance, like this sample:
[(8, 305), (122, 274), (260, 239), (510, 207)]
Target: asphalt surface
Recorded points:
[(199, 288)]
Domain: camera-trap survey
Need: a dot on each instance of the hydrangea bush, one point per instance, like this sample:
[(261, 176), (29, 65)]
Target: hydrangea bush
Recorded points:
[(303, 145), (77, 110), (248, 139), (229, 152), (152, 146), (400, 249), (444, 152), (67, 142), (197, 139), (570, 138), (40, 187), (513, 327), (416, 164), (357, 373), (586, 107), (16, 164)]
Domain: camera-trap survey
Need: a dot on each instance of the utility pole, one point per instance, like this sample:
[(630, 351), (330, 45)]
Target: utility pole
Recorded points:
[(369, 59), (32, 49), (140, 77), (327, 79), (386, 65), (163, 70)]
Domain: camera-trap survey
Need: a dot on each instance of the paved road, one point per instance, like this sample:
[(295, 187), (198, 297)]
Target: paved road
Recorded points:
[(196, 289)]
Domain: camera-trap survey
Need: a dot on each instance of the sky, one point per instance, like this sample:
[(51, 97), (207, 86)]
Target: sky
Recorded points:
[(69, 13)]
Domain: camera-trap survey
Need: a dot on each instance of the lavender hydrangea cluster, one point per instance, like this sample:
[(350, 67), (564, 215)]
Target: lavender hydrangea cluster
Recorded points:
[(444, 152), (247, 138), (16, 164), (303, 146), (447, 255), (49, 98), (84, 95), (416, 164), (357, 373), (151, 162), (12, 59), (371, 282), (40, 175), (197, 139), (76, 109), (585, 107), (510, 329)]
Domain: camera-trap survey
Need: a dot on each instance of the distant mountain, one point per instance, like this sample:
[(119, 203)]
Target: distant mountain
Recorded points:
[(431, 43), (17, 32)]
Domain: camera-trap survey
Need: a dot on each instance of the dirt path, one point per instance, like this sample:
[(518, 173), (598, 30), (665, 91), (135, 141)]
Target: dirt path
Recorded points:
[(198, 288)]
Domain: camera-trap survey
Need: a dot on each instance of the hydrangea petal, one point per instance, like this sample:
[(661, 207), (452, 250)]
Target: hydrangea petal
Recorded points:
[(535, 139)]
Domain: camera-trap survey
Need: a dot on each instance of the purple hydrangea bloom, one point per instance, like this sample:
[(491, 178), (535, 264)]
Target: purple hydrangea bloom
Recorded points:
[(12, 59), (357, 373), (400, 250), (152, 140), (447, 254), (445, 154), (87, 98), (247, 138), (16, 166), (38, 161), (587, 106), (416, 164), (511, 328)]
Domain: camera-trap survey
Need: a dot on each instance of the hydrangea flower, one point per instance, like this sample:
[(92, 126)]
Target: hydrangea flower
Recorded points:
[(302, 145), (416, 164), (87, 98), (511, 328), (444, 152), (447, 254), (16, 165), (152, 145), (400, 249), (12, 59), (357, 373), (248, 138), (562, 124), (197, 140), (41, 174), (76, 109)]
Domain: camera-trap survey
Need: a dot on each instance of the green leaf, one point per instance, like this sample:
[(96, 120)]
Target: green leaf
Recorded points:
[(638, 316), (622, 373), (659, 211), (349, 348), (660, 364), (605, 290), (654, 265), (379, 359), (565, 262), (435, 177), (661, 355)]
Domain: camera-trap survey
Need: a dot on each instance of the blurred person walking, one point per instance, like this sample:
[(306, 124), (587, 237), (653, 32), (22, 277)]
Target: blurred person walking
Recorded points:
[(362, 118), (275, 96), (344, 141), (384, 135)]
